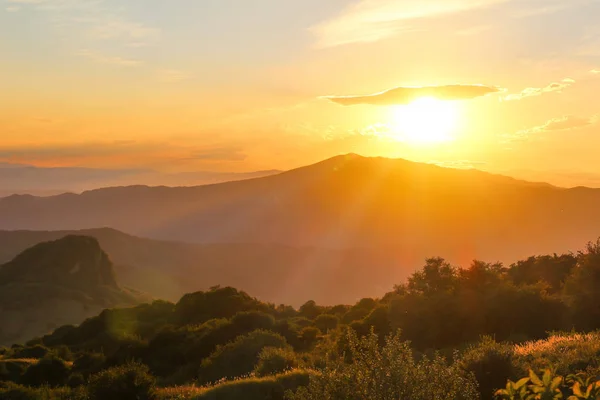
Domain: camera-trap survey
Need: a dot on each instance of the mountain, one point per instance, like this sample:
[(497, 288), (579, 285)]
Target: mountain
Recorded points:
[(56, 283), (275, 273), (45, 181), (394, 206)]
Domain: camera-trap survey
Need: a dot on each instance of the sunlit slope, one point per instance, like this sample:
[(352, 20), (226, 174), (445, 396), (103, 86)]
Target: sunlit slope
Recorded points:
[(344, 202)]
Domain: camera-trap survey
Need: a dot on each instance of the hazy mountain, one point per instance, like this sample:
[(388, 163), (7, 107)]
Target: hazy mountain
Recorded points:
[(27, 179), (398, 207), (56, 283), (276, 273)]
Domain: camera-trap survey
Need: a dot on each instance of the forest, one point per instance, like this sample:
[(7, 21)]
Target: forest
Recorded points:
[(486, 331)]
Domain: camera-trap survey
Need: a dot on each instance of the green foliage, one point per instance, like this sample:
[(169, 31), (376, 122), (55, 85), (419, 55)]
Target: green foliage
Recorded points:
[(89, 363), (11, 370), (326, 322), (50, 370), (217, 303), (271, 388), (386, 373), (272, 360), (12, 391), (130, 381), (239, 357), (568, 353), (491, 363), (551, 387), (37, 351)]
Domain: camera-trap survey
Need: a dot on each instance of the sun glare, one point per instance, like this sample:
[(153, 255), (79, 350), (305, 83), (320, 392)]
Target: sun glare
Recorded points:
[(425, 121)]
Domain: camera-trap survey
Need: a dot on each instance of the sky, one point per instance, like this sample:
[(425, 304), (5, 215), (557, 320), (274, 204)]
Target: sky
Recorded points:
[(244, 85)]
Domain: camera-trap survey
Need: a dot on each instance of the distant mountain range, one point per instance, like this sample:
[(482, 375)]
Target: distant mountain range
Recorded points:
[(275, 273), (344, 219), (57, 283), (28, 179)]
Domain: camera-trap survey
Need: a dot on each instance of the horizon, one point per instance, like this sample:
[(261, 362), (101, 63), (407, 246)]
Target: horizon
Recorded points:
[(226, 177), (199, 87)]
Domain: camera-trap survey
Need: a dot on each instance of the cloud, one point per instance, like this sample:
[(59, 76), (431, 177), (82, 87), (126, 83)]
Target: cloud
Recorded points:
[(113, 60), (533, 92), (595, 71), (12, 9), (405, 95), (118, 154), (565, 123), (98, 21), (373, 20)]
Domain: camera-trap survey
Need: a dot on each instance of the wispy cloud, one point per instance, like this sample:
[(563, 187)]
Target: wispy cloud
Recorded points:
[(97, 20), (565, 123), (373, 20), (103, 59), (595, 71), (532, 92), (120, 153), (405, 95)]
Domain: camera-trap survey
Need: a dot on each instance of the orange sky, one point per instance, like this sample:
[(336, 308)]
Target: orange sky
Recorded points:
[(233, 86)]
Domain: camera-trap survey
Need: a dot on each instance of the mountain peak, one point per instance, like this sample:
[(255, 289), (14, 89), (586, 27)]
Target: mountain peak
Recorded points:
[(73, 261)]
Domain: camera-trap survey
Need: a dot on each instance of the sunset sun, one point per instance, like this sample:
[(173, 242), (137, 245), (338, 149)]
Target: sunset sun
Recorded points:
[(426, 120)]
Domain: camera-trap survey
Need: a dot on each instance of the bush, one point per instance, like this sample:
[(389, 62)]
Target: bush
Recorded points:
[(50, 370), (76, 380), (271, 388), (89, 363), (273, 361), (492, 365), (326, 322), (37, 351), (308, 337), (125, 382), (13, 391), (12, 370), (388, 372), (239, 357)]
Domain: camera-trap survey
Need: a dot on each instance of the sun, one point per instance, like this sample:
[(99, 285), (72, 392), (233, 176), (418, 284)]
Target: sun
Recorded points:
[(425, 121)]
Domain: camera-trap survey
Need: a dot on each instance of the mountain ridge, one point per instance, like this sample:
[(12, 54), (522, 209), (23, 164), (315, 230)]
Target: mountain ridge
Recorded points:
[(55, 283), (345, 202)]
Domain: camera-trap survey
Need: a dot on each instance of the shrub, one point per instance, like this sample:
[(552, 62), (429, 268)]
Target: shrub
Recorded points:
[(273, 360), (125, 382), (37, 351), (309, 336), (17, 392), (326, 322), (13, 391), (76, 380), (50, 370), (491, 363), (272, 388), (386, 373), (239, 357), (89, 363), (12, 370)]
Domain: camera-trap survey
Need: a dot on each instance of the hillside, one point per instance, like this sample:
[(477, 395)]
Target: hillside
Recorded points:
[(57, 283), (276, 273), (42, 181), (450, 333), (398, 207)]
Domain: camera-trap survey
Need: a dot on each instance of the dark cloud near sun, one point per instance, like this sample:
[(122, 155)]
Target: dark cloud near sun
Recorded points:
[(405, 95)]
